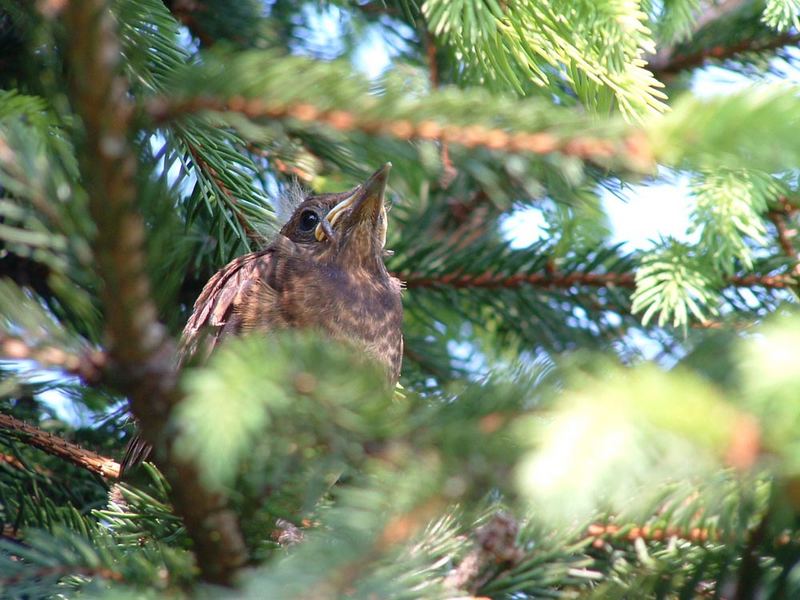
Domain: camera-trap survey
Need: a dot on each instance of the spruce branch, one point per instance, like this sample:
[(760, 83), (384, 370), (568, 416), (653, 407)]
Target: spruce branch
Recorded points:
[(140, 351), (57, 446), (598, 533), (784, 234), (490, 280), (212, 173), (675, 63), (671, 60), (632, 149)]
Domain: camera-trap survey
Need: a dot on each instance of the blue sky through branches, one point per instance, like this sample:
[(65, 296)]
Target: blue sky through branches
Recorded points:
[(639, 215)]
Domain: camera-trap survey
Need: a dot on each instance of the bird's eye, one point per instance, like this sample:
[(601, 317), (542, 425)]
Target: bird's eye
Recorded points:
[(308, 220)]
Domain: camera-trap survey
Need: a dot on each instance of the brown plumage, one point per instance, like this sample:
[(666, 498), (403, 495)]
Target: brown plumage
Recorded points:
[(324, 271)]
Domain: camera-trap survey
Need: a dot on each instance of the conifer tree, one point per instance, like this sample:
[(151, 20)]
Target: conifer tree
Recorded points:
[(576, 418)]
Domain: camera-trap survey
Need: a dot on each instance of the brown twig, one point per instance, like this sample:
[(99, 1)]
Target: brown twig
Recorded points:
[(140, 351), (777, 282), (785, 235), (56, 446), (675, 63), (633, 149), (89, 366), (491, 280), (786, 207)]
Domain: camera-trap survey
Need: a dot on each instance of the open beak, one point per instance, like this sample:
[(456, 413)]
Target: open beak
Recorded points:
[(364, 204)]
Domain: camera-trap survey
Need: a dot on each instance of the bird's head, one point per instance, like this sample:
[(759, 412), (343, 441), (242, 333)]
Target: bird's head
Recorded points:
[(347, 227)]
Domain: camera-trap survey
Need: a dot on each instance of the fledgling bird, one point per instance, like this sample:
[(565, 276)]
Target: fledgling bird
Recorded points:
[(324, 271)]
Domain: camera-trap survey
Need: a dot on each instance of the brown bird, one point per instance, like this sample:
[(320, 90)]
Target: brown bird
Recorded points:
[(324, 271)]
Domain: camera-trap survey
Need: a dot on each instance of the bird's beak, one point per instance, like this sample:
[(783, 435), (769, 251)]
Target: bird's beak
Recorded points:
[(364, 206)]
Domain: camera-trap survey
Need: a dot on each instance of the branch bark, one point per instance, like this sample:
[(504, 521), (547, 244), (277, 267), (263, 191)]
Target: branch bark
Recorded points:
[(675, 63), (142, 356), (634, 149), (89, 366), (490, 280), (784, 234), (56, 446)]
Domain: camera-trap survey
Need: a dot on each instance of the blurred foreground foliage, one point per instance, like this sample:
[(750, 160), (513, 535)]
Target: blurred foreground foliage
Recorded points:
[(586, 477), (579, 416)]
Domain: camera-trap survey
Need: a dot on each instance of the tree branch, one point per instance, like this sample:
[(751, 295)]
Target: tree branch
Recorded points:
[(204, 166), (489, 280), (56, 446), (675, 63), (633, 149), (600, 532), (494, 281), (785, 235), (659, 63), (141, 353), (89, 366)]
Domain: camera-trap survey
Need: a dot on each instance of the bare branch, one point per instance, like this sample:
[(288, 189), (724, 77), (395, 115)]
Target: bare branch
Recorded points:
[(89, 366), (56, 446)]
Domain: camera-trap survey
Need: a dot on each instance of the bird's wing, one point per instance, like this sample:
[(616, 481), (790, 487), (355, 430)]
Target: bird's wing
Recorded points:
[(216, 312)]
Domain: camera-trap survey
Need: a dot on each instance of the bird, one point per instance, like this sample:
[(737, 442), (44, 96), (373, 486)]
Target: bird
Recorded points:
[(324, 271)]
